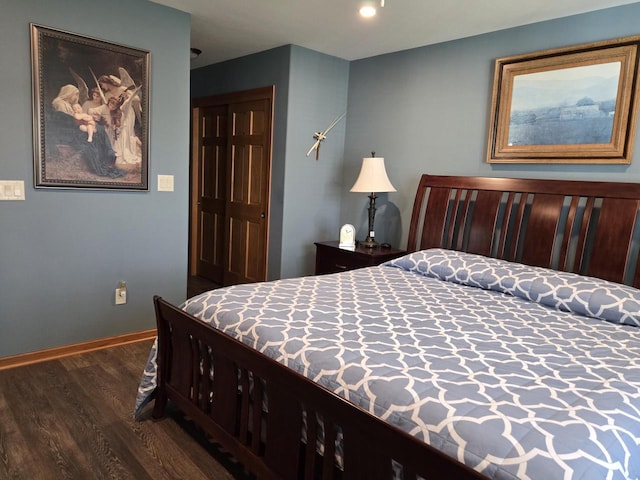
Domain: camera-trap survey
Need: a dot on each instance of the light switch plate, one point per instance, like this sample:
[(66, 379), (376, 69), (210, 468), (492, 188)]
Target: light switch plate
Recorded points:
[(165, 183), (11, 189)]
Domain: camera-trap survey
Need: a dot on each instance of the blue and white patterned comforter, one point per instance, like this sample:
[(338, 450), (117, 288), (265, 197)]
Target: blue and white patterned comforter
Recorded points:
[(519, 372)]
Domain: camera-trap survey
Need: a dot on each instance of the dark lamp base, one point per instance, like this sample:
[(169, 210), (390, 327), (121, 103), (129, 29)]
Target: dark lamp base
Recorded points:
[(368, 243)]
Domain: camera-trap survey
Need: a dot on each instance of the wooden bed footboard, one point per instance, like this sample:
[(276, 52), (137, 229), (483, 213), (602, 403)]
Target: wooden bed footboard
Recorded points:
[(262, 412)]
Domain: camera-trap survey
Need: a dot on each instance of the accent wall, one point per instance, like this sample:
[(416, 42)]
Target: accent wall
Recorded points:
[(426, 110), (63, 251)]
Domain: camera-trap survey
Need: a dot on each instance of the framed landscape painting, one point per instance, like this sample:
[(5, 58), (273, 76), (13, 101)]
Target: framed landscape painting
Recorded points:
[(90, 112), (570, 105)]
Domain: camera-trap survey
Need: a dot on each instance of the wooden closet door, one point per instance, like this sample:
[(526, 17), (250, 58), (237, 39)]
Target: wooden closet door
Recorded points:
[(210, 151), (247, 205), (230, 185)]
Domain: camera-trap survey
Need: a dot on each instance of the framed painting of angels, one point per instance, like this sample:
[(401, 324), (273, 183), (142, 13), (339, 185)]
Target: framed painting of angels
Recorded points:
[(90, 112)]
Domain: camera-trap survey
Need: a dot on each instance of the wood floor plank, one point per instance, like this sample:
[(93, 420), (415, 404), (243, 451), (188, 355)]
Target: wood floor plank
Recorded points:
[(154, 448), (85, 421), (72, 418), (42, 426), (14, 463)]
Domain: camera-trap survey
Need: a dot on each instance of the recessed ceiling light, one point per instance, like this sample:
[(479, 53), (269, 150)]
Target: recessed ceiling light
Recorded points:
[(367, 11)]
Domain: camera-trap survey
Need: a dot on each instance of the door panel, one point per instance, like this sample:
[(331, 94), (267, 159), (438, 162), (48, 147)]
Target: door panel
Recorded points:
[(248, 192), (211, 192), (231, 176)]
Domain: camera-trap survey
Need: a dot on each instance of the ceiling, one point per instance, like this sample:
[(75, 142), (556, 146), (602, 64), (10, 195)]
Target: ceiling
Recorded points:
[(226, 29)]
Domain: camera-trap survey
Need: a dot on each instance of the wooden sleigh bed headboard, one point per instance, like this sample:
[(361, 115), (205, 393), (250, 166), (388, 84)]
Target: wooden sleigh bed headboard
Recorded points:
[(583, 227)]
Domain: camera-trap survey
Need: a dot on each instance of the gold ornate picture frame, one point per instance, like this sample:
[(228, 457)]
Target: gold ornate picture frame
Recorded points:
[(90, 112), (569, 105)]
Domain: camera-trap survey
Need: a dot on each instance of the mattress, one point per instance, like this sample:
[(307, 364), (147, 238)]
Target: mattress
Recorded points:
[(517, 371)]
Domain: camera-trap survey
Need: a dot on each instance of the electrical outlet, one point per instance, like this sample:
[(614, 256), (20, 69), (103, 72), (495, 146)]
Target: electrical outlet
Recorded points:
[(121, 293)]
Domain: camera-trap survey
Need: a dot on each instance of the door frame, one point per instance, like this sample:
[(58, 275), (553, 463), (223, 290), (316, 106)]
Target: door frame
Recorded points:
[(259, 93)]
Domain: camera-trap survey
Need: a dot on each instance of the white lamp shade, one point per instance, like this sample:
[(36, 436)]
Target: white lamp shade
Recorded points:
[(373, 177)]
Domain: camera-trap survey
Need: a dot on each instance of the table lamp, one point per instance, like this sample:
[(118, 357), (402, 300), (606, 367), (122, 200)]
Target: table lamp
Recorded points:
[(373, 179)]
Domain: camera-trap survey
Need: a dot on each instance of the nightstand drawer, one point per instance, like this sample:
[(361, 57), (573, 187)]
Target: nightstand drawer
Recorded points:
[(342, 260), (332, 259)]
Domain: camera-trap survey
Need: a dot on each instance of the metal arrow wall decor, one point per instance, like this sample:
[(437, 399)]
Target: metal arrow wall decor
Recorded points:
[(320, 136)]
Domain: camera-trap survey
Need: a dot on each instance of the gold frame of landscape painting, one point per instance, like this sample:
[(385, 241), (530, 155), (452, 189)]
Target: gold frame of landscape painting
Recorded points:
[(570, 105)]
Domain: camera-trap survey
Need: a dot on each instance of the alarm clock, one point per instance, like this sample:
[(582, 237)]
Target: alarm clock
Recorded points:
[(347, 237)]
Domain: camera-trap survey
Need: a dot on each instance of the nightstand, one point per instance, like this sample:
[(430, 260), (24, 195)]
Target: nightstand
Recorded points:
[(332, 259)]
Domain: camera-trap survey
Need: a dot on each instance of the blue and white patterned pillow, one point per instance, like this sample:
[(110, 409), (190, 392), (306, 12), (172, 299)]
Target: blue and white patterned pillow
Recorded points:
[(570, 292)]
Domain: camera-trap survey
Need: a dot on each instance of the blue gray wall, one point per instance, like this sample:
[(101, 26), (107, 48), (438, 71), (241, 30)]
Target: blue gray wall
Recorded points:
[(426, 110), (263, 69), (310, 91), (317, 95), (62, 252)]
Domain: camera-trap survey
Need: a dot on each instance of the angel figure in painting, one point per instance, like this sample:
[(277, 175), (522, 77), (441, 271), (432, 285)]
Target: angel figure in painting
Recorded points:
[(119, 112), (87, 99), (94, 100)]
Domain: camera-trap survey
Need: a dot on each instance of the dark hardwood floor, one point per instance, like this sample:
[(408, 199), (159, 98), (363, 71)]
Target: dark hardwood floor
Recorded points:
[(71, 418)]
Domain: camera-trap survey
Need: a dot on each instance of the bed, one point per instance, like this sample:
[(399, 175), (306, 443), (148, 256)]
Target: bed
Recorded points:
[(505, 345)]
